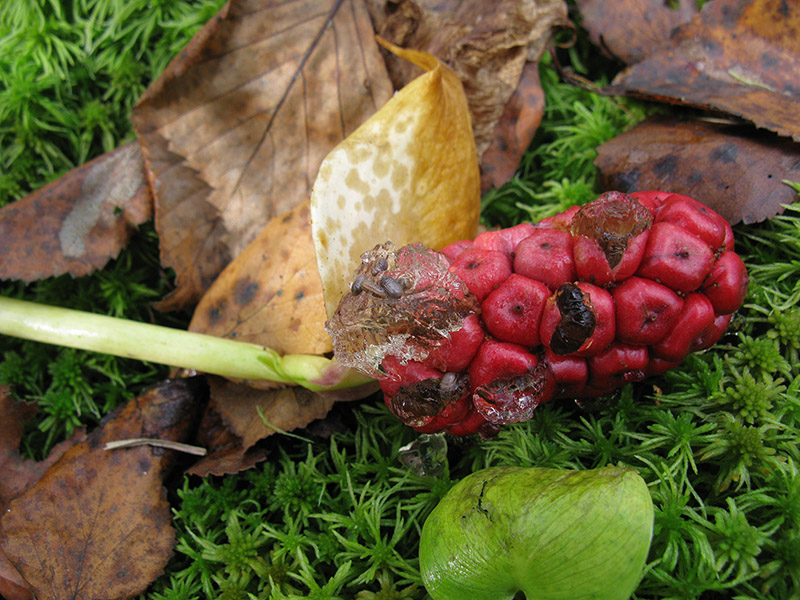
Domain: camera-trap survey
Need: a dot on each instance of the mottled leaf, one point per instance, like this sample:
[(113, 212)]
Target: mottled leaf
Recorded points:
[(735, 170), (487, 46), (234, 130), (409, 174), (97, 524), (77, 223), (271, 293), (630, 30), (740, 57)]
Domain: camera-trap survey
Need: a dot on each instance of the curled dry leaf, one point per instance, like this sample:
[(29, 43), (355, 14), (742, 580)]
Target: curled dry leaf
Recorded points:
[(271, 293), (97, 523), (409, 174), (77, 223), (234, 130), (737, 56), (734, 170), (630, 30), (488, 46)]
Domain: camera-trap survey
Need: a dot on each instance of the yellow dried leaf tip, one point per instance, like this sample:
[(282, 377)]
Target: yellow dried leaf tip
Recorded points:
[(408, 174)]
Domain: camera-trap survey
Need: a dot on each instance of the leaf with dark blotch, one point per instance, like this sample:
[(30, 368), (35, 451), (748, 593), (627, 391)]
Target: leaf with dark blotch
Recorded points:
[(630, 30), (77, 223), (735, 170), (740, 57), (276, 303), (488, 47), (234, 130), (97, 524)]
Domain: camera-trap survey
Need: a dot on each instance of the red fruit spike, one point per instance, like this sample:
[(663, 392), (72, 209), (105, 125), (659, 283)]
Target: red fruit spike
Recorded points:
[(403, 302), (570, 373), (496, 359), (578, 319), (608, 237), (456, 353), (420, 403), (712, 334), (451, 251), (619, 363), (546, 256), (503, 240), (560, 221), (676, 258), (726, 286), (695, 217), (645, 310), (513, 312), (481, 270), (513, 399), (695, 317)]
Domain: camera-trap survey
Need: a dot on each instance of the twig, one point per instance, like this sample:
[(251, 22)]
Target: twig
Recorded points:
[(133, 442)]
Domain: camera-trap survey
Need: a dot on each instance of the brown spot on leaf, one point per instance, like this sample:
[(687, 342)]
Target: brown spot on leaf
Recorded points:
[(244, 291)]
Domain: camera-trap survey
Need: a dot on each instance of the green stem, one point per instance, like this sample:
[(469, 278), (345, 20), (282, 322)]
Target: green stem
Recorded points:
[(174, 347)]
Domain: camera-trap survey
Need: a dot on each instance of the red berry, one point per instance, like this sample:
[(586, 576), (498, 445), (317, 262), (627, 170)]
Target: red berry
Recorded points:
[(676, 258), (546, 255), (711, 334), (503, 240), (694, 217), (651, 199), (657, 366), (513, 312), (560, 221), (645, 310), (451, 251), (512, 398), (610, 236), (578, 319), (618, 364), (696, 316), (497, 359), (570, 373), (456, 352), (726, 286), (481, 270)]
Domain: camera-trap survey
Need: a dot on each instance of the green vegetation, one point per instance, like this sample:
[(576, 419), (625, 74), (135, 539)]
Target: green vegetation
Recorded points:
[(716, 439)]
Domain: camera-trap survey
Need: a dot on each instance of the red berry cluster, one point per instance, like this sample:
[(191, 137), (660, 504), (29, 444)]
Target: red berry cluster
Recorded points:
[(581, 303)]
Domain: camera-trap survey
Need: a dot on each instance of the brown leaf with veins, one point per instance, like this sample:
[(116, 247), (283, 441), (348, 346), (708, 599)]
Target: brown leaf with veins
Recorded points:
[(77, 223), (19, 474), (737, 171), (737, 56), (630, 30), (271, 294), (234, 130), (97, 524), (487, 46)]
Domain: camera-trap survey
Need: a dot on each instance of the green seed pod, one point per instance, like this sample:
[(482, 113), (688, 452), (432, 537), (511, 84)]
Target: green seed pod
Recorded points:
[(552, 534)]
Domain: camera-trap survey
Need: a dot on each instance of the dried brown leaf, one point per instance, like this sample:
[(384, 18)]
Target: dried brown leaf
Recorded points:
[(235, 128), (97, 523), (240, 409), (630, 30), (740, 57), (271, 294), (487, 45), (737, 171), (77, 223)]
